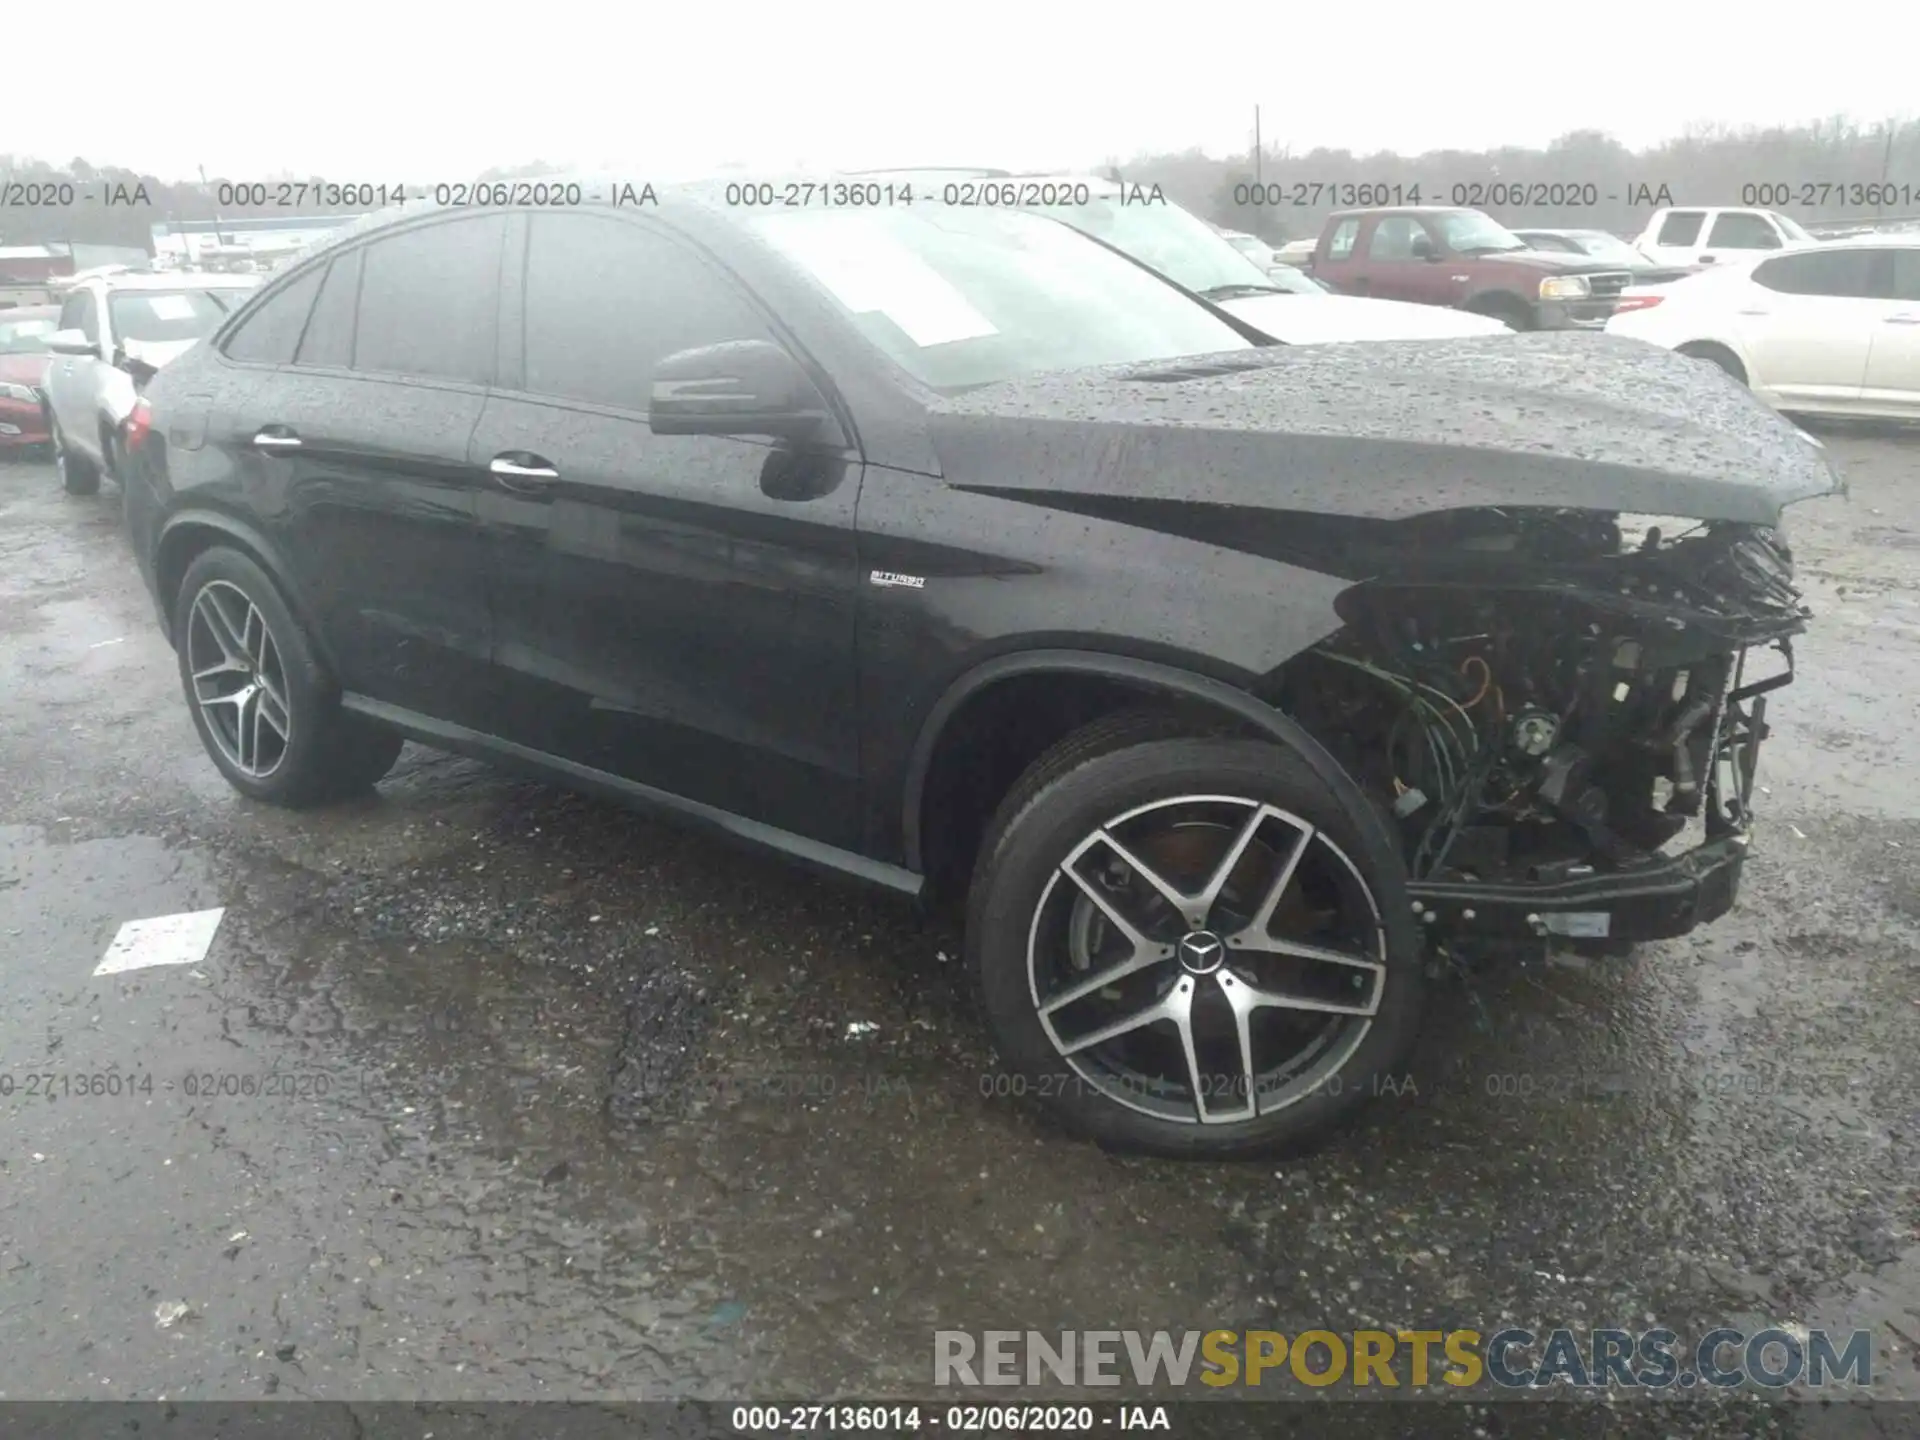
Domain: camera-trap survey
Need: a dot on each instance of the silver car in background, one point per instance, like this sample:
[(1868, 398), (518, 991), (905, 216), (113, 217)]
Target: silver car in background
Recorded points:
[(117, 328)]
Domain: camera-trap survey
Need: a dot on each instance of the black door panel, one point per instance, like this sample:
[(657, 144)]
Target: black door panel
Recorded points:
[(374, 509), (660, 617)]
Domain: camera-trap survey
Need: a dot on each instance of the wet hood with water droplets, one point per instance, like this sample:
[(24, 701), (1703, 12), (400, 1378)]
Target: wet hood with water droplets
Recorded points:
[(1389, 429)]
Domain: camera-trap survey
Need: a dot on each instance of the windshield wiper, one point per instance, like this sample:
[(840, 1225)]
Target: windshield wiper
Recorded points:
[(1232, 292)]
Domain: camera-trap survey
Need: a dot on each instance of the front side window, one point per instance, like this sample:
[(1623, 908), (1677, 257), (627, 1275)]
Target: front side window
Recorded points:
[(1742, 230), (79, 312), (607, 300), (961, 298), (428, 301), (1393, 238)]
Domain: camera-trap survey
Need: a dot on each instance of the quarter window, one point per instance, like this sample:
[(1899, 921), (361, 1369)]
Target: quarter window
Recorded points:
[(328, 341), (1340, 243), (269, 335), (428, 301)]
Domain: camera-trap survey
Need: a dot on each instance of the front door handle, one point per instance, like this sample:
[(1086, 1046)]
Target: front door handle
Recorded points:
[(276, 438), (527, 474)]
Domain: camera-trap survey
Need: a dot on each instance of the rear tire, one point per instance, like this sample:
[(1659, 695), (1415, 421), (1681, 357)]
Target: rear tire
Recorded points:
[(266, 709), (1179, 803), (78, 475), (1717, 355)]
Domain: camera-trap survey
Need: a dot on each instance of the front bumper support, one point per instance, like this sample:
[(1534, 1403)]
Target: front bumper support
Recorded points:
[(1666, 897)]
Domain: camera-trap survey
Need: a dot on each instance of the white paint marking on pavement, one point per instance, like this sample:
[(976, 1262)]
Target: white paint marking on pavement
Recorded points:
[(165, 940), (104, 643)]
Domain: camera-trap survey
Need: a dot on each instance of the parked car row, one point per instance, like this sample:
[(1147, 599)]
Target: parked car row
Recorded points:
[(1007, 562)]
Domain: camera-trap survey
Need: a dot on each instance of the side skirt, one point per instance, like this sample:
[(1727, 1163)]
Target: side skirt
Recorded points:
[(446, 736)]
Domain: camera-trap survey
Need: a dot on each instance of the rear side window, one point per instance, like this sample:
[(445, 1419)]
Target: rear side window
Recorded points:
[(1681, 227), (1847, 273), (428, 301), (1743, 230), (328, 341), (270, 334), (1340, 244), (606, 301)]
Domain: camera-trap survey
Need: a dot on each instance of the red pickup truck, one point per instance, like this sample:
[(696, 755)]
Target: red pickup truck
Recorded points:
[(1466, 260)]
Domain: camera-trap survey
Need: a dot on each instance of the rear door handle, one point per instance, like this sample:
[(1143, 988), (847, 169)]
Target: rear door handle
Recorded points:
[(274, 438), (527, 474)]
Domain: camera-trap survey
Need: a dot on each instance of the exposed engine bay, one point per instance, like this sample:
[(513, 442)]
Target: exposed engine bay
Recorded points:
[(1547, 698)]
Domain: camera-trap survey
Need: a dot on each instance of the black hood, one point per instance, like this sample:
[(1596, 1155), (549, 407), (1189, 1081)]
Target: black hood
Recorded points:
[(1389, 429)]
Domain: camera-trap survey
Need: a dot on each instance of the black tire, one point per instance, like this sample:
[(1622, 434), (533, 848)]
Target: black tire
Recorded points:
[(1719, 356), (78, 475), (1111, 769), (1507, 310), (327, 754)]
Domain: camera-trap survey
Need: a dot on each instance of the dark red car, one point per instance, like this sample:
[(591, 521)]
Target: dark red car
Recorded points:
[(24, 358)]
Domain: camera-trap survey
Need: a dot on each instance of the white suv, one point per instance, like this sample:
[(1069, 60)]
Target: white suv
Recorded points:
[(117, 327)]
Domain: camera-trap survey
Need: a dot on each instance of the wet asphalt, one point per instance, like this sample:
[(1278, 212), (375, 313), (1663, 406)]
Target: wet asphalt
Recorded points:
[(487, 1091)]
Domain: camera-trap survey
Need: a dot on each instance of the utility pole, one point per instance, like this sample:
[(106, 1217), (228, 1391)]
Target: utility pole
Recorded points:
[(1257, 155)]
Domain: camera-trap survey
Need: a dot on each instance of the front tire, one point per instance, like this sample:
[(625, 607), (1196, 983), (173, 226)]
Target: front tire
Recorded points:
[(1262, 974), (78, 475), (266, 709)]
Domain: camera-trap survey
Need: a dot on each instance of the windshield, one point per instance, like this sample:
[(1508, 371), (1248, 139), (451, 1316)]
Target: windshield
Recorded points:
[(1180, 246), (963, 297), (1469, 232), (1295, 282), (1791, 230), (1602, 246), (25, 337), (161, 315)]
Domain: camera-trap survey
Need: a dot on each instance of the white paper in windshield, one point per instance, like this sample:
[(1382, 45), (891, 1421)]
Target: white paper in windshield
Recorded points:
[(869, 271), (171, 307)]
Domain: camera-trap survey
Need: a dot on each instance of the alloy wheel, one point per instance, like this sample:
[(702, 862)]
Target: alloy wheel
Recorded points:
[(1207, 959), (238, 680)]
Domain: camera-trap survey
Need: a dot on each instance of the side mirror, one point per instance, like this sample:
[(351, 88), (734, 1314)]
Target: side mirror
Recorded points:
[(71, 342), (1423, 248), (741, 387)]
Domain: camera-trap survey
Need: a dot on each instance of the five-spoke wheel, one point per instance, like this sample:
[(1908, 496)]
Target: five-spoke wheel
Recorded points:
[(237, 679), (1193, 944)]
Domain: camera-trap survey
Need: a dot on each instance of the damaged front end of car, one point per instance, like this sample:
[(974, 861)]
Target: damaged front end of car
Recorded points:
[(1544, 702)]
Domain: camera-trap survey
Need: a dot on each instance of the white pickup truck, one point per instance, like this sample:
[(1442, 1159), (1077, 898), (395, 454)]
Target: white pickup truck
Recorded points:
[(1705, 235), (117, 327)]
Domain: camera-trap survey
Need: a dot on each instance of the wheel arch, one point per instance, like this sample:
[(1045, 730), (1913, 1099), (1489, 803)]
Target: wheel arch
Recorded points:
[(189, 533), (1150, 680), (1498, 303)]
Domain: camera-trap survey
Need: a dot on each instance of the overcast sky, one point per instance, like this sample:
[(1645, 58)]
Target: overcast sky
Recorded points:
[(356, 91)]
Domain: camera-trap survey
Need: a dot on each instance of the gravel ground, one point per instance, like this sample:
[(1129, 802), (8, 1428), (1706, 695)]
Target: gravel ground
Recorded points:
[(571, 1104)]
